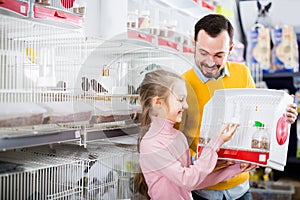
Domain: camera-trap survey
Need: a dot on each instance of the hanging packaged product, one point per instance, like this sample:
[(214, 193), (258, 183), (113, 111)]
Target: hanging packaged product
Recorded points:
[(144, 19), (285, 50), (259, 48), (260, 138)]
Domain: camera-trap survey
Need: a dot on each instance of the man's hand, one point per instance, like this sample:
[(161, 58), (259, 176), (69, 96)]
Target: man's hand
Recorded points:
[(246, 167), (291, 113), (223, 163)]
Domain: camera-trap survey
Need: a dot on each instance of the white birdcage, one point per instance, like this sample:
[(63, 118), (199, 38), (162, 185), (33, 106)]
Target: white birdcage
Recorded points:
[(39, 66), (36, 56), (251, 109), (65, 172)]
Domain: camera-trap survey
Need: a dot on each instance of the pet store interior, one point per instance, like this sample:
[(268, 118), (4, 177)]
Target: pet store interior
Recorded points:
[(70, 72)]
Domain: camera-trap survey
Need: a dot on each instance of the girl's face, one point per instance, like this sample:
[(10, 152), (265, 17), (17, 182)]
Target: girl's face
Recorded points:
[(176, 102)]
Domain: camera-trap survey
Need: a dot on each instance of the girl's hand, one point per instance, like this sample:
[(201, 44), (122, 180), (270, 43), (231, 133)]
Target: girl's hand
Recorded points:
[(227, 131)]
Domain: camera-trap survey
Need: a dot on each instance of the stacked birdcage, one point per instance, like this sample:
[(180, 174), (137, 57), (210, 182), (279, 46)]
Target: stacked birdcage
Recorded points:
[(65, 172)]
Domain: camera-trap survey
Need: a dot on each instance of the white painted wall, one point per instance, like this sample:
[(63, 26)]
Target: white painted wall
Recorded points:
[(281, 13), (105, 18), (231, 5)]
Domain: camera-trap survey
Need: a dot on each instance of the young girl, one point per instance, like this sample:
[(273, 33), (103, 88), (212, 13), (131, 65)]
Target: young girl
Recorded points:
[(164, 151)]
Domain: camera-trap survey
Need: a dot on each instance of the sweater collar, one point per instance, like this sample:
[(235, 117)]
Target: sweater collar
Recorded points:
[(162, 125)]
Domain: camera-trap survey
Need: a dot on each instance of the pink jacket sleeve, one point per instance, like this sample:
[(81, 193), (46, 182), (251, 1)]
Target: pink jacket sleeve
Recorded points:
[(220, 175), (190, 177)]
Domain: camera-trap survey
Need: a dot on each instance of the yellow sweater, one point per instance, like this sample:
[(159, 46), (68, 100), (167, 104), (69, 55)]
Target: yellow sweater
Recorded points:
[(198, 95)]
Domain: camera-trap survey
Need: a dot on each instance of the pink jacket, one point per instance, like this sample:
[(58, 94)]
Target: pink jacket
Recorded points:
[(166, 165)]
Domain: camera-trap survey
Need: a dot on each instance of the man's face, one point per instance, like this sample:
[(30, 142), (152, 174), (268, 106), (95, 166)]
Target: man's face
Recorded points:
[(211, 53)]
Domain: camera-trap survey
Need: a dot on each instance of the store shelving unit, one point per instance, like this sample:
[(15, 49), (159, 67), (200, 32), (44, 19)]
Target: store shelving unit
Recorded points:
[(46, 58), (75, 53), (59, 13), (282, 80), (171, 22)]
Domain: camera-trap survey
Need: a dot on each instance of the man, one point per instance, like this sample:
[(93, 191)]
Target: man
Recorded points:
[(213, 43)]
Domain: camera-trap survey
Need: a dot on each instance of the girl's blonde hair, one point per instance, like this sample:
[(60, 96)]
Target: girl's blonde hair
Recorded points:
[(158, 83)]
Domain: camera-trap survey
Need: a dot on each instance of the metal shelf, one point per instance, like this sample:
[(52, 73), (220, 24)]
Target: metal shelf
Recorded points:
[(281, 75), (7, 143), (93, 135), (191, 7), (82, 136), (293, 160), (281, 81)]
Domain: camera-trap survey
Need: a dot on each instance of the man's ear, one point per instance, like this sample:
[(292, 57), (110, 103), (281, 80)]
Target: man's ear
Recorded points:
[(231, 47), (193, 42)]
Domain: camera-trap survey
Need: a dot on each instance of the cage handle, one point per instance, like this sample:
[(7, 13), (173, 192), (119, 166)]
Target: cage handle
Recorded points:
[(59, 15)]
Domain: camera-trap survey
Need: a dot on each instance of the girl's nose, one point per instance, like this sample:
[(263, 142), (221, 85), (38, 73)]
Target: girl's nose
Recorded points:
[(185, 105)]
